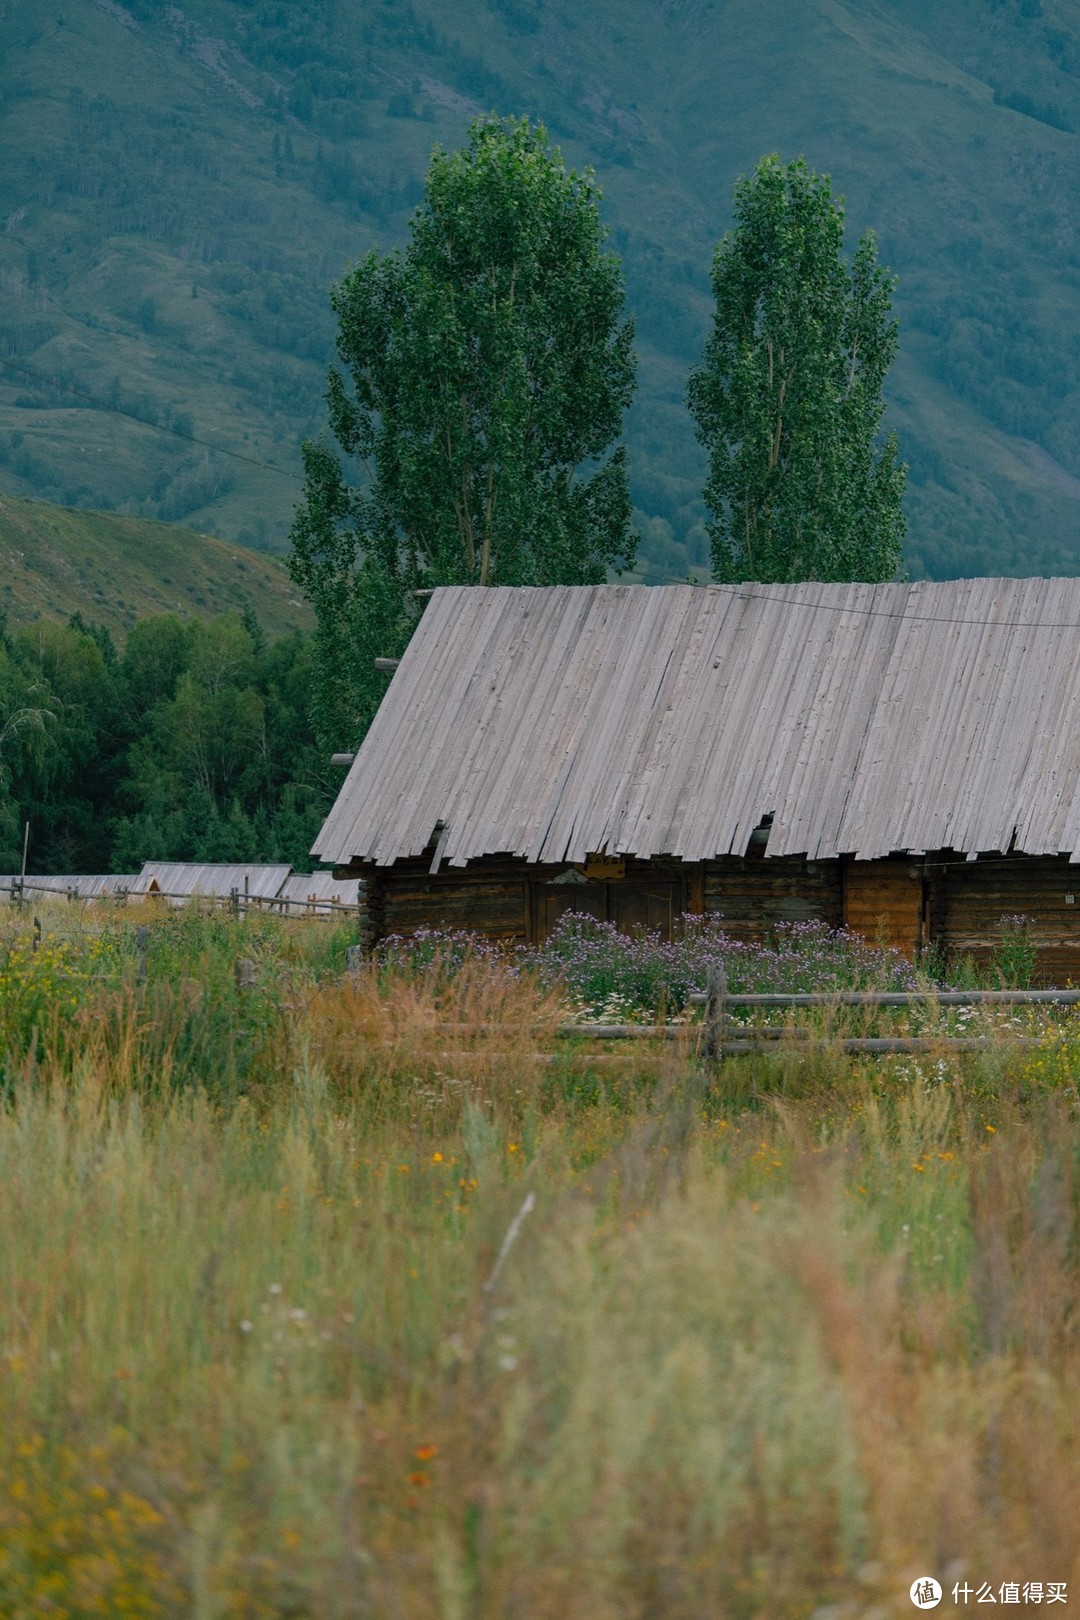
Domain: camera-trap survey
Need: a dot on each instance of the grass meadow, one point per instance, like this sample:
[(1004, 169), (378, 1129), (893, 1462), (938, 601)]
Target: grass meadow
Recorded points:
[(363, 1296)]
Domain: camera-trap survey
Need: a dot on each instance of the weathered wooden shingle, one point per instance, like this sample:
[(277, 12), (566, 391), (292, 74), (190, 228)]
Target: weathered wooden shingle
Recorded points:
[(864, 719), (184, 879)]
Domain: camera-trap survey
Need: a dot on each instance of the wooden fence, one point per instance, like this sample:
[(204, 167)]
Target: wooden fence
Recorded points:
[(718, 1040), (236, 901), (716, 1036)]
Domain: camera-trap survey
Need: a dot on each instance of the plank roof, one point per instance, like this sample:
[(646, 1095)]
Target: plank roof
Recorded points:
[(181, 879), (553, 723)]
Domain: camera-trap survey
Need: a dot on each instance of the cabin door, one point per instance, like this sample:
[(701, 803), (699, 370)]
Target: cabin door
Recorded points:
[(553, 899), (887, 901), (631, 907), (640, 908)]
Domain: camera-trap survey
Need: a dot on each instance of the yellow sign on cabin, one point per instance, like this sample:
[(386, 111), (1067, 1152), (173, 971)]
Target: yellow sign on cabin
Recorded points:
[(605, 867)]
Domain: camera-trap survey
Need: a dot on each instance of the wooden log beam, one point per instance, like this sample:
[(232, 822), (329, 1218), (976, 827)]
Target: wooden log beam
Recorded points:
[(757, 1048), (904, 998), (712, 1049), (672, 1032)]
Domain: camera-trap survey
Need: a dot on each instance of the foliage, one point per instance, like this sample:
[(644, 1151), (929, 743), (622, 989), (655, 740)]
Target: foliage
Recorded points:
[(607, 973), (373, 1305), (788, 399), (439, 953), (1015, 956), (72, 1534), (646, 975), (26, 713), (165, 1000), (238, 200), (193, 743), (489, 366), (47, 981)]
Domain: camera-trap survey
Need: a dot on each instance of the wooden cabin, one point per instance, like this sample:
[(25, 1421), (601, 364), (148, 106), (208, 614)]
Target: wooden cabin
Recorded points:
[(903, 759)]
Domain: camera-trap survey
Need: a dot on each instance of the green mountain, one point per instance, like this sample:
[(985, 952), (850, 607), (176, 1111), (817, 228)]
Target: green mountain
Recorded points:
[(113, 570), (180, 186)]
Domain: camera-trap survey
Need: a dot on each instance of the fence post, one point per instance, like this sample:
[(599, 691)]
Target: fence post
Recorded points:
[(715, 1012), (142, 936), (37, 934), (354, 958)]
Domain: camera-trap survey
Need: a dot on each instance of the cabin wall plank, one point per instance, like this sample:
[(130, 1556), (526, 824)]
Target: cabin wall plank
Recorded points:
[(488, 897), (901, 900), (752, 895), (979, 893)]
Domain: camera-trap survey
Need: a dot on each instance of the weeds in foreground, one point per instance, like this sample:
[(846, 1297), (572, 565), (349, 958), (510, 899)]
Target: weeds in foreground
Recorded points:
[(1015, 957), (648, 976), (762, 1343)]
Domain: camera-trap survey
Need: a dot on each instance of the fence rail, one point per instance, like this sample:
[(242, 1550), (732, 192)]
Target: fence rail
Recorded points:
[(715, 1036), (718, 1041), (898, 998), (735, 1040), (236, 900)]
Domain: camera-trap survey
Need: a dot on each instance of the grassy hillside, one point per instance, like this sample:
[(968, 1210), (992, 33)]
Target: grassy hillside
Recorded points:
[(114, 570), (180, 187)]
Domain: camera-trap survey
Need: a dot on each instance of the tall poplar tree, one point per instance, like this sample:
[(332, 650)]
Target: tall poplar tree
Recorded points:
[(485, 371), (788, 399)]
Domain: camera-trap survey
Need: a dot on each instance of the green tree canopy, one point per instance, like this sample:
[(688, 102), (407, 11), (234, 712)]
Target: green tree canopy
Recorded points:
[(486, 370), (788, 399), (222, 765), (193, 743)]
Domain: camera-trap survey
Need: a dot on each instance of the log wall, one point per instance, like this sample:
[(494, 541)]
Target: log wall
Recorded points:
[(489, 897), (505, 899), (979, 893), (753, 895), (905, 901)]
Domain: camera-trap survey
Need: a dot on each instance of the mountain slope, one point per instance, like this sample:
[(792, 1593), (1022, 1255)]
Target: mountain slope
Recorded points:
[(114, 570), (180, 188)]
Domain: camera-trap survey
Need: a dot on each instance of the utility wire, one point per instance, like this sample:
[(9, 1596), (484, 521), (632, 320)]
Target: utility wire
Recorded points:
[(749, 594)]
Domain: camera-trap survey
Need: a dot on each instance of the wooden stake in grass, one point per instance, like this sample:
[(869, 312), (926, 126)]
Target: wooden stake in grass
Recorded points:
[(712, 1047), (245, 972)]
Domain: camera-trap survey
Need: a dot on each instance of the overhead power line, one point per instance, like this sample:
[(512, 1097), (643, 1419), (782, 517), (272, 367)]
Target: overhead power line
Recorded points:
[(746, 590)]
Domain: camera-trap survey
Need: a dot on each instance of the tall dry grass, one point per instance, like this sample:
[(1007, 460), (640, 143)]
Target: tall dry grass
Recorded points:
[(760, 1346)]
